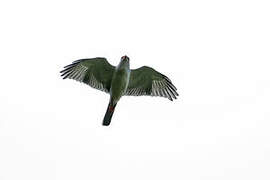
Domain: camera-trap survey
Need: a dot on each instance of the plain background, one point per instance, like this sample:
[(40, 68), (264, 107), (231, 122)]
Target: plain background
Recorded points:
[(215, 52)]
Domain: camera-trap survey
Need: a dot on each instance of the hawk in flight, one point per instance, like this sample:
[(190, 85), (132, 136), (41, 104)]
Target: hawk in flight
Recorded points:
[(120, 80)]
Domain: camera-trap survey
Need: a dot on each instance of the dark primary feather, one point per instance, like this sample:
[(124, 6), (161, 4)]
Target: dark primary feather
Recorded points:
[(95, 72), (147, 81)]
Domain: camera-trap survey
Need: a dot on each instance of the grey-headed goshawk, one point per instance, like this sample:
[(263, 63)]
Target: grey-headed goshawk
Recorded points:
[(120, 80)]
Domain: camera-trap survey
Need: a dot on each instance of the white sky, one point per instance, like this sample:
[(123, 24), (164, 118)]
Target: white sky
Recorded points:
[(215, 52)]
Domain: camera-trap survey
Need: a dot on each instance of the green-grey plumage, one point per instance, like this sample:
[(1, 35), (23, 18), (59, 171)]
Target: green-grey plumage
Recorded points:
[(118, 88), (120, 80), (147, 81), (95, 72)]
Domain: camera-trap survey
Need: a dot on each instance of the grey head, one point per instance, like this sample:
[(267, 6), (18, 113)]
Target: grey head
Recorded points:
[(124, 62)]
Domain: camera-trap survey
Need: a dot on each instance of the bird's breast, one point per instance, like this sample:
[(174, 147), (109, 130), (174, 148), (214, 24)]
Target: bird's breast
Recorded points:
[(119, 83)]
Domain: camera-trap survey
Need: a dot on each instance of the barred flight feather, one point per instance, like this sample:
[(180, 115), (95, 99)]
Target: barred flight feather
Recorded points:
[(78, 71)]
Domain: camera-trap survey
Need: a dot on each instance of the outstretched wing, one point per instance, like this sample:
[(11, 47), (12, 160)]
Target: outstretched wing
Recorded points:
[(147, 81), (95, 72)]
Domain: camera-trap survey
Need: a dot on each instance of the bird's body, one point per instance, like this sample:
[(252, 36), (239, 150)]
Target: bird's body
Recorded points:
[(119, 81), (118, 88)]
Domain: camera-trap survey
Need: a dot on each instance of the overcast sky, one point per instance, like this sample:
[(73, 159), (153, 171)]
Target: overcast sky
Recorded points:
[(215, 52)]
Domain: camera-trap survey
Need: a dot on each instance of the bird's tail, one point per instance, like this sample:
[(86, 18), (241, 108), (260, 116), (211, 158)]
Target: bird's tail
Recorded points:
[(108, 115)]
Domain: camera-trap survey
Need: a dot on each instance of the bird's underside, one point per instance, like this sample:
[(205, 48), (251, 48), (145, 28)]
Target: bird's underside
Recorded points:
[(100, 74)]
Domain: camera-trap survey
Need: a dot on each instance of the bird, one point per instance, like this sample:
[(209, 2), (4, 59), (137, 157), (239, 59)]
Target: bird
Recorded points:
[(119, 80)]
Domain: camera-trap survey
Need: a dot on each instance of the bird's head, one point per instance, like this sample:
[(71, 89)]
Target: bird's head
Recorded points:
[(124, 58), (124, 61)]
